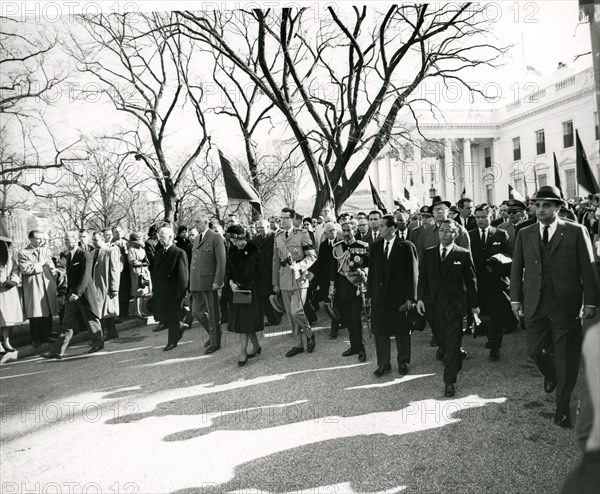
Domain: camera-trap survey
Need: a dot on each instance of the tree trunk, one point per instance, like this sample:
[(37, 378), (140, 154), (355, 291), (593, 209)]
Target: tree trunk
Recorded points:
[(169, 202), (321, 200)]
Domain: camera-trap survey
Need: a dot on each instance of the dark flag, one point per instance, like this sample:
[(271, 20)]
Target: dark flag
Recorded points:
[(376, 199), (585, 176), (236, 187), (399, 203), (514, 194), (557, 176), (406, 194)]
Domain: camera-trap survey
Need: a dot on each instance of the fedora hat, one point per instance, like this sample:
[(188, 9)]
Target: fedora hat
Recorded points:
[(4, 231), (438, 200), (548, 193), (277, 303)]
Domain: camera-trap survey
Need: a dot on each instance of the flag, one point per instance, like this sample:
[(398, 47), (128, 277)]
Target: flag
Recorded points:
[(464, 192), (376, 199), (585, 176), (236, 187), (557, 176), (533, 71), (514, 194), (406, 194), (400, 203)]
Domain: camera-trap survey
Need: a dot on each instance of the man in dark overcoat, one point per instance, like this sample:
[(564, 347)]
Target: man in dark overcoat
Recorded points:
[(263, 240), (170, 281), (392, 290)]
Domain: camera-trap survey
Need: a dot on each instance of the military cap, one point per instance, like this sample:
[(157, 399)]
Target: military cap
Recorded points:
[(515, 203), (426, 210)]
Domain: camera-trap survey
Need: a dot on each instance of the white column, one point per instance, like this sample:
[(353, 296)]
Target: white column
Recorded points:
[(478, 185), (374, 169), (388, 183), (468, 179), (448, 166), (501, 175)]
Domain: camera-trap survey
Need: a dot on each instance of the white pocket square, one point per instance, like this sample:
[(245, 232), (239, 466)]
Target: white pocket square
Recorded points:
[(496, 243), (456, 262), (75, 264)]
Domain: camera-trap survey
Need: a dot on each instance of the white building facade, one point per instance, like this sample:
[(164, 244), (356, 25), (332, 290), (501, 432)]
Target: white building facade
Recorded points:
[(479, 153)]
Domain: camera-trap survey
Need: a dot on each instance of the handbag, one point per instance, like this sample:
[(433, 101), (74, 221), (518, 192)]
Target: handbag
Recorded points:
[(242, 297)]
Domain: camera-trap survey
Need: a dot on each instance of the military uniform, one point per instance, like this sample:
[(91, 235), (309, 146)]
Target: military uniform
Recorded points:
[(294, 246), (350, 273)]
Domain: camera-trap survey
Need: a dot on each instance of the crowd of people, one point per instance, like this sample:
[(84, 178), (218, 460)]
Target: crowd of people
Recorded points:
[(455, 269)]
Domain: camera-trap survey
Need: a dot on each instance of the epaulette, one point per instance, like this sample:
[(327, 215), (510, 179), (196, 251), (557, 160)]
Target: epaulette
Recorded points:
[(363, 243), (338, 243)]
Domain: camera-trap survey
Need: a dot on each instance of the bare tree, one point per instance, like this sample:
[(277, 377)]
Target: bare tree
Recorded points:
[(339, 85), (148, 74), (27, 79)]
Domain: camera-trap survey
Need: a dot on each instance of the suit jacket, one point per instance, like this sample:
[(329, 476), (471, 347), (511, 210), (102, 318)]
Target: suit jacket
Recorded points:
[(430, 237), (496, 242), (265, 260), (498, 221), (79, 279), (170, 279), (323, 265), (208, 261), (391, 282), (573, 271), (442, 284), (509, 228), (468, 223)]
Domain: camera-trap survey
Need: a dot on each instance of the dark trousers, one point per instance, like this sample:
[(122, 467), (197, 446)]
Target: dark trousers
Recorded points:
[(78, 312), (554, 344), (383, 346), (497, 307), (205, 307), (174, 334), (124, 292), (309, 311), (263, 293), (40, 329), (109, 327), (449, 336), (352, 308), (223, 302)]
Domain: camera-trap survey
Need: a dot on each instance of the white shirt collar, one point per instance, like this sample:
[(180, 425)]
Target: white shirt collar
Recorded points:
[(551, 229), (448, 249)]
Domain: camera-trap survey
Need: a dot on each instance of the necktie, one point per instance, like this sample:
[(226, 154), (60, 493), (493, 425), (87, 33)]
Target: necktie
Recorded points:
[(444, 250), (200, 238), (401, 235), (545, 235), (482, 237), (287, 234), (387, 249)]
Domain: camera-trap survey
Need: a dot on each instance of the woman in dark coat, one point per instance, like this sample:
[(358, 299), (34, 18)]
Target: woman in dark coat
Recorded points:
[(242, 274)]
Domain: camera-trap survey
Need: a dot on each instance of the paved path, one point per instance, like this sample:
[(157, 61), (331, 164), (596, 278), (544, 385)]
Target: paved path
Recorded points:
[(133, 418)]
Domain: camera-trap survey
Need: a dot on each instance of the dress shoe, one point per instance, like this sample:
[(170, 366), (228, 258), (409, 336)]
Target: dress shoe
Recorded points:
[(563, 420), (362, 357), (255, 353), (206, 344), (241, 363), (549, 385), (294, 351), (433, 341), (52, 355), (463, 355), (169, 346), (348, 353), (449, 390), (310, 344), (403, 369), (380, 371), (8, 348), (333, 335), (161, 327), (494, 355), (95, 349), (439, 354), (211, 349)]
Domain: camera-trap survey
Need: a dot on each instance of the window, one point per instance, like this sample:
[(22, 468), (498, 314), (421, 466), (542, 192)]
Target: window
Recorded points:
[(519, 186), (571, 181), (487, 153), (567, 134), (540, 142), (542, 180), (597, 134), (516, 148)]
